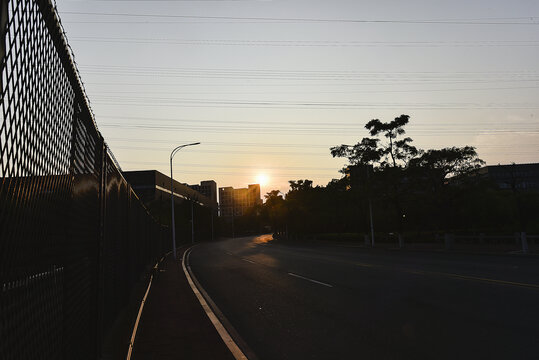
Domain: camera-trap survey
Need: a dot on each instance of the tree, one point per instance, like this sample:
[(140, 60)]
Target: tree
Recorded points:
[(365, 152), (440, 168), (395, 153), (392, 158), (275, 209), (300, 185), (274, 199), (397, 150), (439, 165)]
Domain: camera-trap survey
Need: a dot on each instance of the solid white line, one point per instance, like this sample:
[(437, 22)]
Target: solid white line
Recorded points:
[(250, 261), (229, 342), (134, 334), (311, 280)]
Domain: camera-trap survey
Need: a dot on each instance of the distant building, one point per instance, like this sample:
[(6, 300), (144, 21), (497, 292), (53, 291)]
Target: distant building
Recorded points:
[(235, 202), (523, 177), (207, 188), (151, 186)]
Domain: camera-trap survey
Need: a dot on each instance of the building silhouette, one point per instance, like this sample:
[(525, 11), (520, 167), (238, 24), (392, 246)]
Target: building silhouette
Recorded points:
[(236, 202), (151, 186), (523, 177), (207, 188)]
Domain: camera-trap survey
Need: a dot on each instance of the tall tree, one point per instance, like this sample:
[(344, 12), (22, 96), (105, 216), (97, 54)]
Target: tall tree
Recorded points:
[(397, 150), (395, 153)]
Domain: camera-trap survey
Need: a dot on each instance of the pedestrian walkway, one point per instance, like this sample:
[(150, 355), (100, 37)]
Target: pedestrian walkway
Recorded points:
[(173, 324)]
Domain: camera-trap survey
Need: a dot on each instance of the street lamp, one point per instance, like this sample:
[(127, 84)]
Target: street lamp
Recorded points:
[(172, 195)]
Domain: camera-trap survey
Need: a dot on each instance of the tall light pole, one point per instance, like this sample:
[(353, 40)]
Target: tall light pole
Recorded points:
[(172, 195)]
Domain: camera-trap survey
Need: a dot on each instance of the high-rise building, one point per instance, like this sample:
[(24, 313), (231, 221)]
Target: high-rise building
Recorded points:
[(235, 202)]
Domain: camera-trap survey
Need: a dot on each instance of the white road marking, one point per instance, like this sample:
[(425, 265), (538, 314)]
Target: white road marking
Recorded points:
[(249, 261), (229, 253), (229, 342), (311, 280)]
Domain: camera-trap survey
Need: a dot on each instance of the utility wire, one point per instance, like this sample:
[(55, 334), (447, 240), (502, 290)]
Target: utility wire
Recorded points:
[(300, 92), (268, 70), (255, 122), (259, 145), (216, 103), (306, 130), (308, 43), (529, 20)]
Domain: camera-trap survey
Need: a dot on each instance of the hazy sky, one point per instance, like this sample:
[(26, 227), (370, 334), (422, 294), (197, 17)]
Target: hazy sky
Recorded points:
[(268, 86)]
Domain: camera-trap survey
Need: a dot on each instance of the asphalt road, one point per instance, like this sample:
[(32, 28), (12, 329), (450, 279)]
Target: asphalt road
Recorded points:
[(330, 302)]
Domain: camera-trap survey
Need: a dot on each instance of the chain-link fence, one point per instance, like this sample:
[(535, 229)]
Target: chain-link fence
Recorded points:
[(74, 237)]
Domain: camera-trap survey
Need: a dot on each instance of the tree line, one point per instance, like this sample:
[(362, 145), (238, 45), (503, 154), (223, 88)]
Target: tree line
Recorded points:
[(400, 191)]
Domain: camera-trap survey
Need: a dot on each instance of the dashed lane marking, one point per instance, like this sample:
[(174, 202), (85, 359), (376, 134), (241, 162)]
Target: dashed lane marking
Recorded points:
[(311, 280)]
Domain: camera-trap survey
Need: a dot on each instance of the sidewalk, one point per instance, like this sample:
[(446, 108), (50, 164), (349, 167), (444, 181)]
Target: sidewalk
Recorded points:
[(173, 324)]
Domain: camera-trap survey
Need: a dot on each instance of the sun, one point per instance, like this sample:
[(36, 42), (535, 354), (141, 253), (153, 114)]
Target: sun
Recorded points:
[(262, 179)]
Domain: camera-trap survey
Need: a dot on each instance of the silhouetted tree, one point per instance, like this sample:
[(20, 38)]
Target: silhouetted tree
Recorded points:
[(365, 152), (300, 185), (439, 165), (371, 151), (437, 170), (275, 210), (391, 159), (396, 150)]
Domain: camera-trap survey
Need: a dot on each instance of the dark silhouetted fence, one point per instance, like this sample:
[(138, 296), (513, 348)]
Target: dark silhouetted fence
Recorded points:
[(74, 237)]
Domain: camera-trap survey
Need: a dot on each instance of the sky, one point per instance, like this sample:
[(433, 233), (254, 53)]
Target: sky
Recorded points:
[(268, 87)]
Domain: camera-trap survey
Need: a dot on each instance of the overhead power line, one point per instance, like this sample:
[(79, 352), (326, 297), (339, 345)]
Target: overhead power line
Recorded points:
[(310, 43), (323, 154), (271, 74), (223, 145), (302, 91), (487, 21), (298, 104), (269, 70), (530, 129), (156, 120)]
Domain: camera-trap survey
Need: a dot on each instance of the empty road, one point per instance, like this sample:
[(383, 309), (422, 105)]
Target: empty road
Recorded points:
[(329, 302)]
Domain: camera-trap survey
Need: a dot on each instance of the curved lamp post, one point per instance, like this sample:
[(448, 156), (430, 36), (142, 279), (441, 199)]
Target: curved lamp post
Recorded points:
[(172, 195)]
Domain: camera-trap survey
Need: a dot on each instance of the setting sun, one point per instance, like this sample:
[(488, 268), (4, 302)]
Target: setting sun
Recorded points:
[(262, 179)]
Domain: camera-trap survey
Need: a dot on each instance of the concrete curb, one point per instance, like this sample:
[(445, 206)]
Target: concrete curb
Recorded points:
[(237, 346)]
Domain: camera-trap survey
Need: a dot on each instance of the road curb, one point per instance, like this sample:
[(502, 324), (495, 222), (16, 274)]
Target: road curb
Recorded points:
[(234, 342)]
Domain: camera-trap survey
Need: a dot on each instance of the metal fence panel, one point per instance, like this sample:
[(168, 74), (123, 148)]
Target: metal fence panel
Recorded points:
[(74, 238)]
